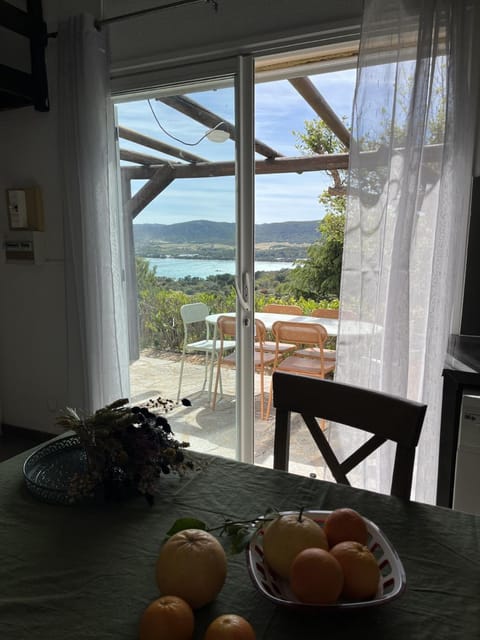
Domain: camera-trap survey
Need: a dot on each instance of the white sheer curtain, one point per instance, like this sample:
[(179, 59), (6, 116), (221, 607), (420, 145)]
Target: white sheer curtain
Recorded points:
[(413, 127), (95, 288)]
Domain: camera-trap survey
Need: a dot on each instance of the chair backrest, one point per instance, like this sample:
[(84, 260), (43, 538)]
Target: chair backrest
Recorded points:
[(300, 332), (289, 309), (193, 312), (325, 313), (385, 416), (227, 327)]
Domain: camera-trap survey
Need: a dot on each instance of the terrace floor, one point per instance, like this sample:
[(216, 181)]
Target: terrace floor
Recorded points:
[(157, 373)]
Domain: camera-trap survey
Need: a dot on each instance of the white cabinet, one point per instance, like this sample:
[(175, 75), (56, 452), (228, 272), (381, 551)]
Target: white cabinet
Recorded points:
[(466, 489)]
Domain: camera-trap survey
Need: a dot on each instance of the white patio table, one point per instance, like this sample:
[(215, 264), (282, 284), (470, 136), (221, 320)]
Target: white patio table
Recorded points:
[(268, 319)]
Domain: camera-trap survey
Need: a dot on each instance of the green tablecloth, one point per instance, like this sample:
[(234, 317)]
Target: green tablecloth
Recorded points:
[(87, 572)]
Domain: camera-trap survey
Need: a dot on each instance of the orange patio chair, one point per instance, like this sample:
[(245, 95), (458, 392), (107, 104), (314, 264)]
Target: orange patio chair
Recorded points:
[(263, 360), (287, 309), (328, 354), (302, 334)]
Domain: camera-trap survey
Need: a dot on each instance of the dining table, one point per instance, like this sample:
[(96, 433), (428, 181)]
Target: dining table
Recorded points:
[(87, 571)]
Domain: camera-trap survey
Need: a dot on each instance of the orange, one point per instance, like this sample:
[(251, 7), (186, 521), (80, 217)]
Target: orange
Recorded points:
[(229, 627), (316, 577), (345, 524), (192, 565), (167, 618), (286, 536), (360, 570)]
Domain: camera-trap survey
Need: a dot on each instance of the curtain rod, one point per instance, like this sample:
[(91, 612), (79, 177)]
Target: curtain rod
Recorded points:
[(141, 12)]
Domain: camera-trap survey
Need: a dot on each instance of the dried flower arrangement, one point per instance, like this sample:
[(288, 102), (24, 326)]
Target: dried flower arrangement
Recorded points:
[(127, 449)]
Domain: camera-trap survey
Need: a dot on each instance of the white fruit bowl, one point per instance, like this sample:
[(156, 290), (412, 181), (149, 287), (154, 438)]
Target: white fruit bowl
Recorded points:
[(392, 575)]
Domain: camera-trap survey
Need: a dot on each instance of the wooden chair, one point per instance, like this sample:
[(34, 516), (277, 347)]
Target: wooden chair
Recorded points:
[(328, 354), (385, 416), (226, 326), (289, 309), (301, 334), (325, 313)]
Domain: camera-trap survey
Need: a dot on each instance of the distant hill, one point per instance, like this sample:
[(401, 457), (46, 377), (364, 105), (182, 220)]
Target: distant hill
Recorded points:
[(199, 231)]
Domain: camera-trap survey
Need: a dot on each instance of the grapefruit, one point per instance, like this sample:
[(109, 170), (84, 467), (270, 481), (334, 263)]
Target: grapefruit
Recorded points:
[(316, 577), (345, 524), (230, 627), (167, 618), (360, 570), (286, 536), (192, 565)]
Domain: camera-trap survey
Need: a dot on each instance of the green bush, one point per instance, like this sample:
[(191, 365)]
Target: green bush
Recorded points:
[(160, 323)]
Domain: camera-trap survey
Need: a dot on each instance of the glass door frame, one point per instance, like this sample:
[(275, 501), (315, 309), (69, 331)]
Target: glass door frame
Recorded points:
[(245, 254), (240, 69)]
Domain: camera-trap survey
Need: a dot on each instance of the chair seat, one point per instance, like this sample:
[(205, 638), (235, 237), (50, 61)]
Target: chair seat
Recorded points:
[(305, 366), (208, 345), (314, 352), (283, 347), (268, 359)]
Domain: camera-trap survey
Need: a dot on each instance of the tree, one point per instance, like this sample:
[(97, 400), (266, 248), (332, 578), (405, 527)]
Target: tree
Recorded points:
[(318, 276)]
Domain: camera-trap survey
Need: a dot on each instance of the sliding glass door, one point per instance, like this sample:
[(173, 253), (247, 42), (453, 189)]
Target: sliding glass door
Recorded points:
[(187, 179), (198, 158)]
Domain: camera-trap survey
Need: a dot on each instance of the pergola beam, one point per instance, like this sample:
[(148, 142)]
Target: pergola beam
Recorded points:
[(158, 181), (163, 147), (206, 117), (310, 94), (141, 158), (212, 169), (371, 159)]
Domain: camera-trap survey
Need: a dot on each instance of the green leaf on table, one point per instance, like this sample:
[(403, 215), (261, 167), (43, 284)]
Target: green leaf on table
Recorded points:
[(240, 539), (186, 523)]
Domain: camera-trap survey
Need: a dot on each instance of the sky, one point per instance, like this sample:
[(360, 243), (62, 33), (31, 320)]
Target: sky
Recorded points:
[(279, 111)]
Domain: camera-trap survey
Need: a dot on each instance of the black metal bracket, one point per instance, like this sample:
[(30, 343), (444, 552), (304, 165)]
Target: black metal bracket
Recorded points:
[(18, 88)]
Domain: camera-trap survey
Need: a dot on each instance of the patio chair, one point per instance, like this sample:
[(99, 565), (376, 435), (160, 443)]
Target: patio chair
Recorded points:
[(301, 334), (328, 354), (384, 416), (325, 313), (262, 359), (195, 314), (287, 309)]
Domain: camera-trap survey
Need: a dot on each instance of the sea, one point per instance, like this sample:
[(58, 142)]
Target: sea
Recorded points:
[(200, 268)]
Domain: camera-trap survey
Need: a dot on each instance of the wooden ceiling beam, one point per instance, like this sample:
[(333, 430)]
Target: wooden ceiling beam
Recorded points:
[(370, 159), (308, 91), (213, 169), (206, 117), (163, 147), (141, 158)]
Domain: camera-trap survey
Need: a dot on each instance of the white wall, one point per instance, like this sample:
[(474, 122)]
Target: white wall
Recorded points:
[(32, 302), (32, 319)]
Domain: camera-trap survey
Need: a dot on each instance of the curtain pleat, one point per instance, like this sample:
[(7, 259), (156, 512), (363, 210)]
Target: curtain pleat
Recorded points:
[(94, 240)]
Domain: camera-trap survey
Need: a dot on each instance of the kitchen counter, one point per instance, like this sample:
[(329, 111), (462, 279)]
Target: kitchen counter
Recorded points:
[(463, 353)]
